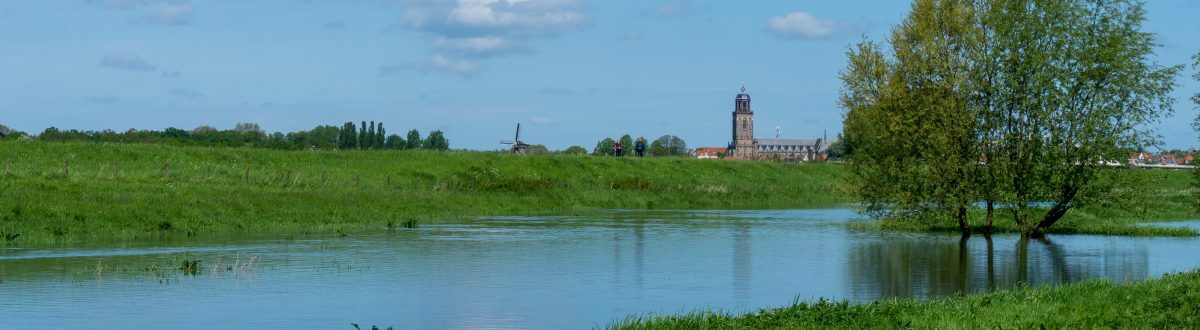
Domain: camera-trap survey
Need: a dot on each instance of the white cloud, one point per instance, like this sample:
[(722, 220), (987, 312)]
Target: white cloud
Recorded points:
[(467, 30), (509, 18), (540, 120), (801, 25), (127, 61), (478, 46), (173, 14), (438, 64)]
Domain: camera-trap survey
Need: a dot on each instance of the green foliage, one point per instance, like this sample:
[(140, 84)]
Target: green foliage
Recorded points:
[(668, 145), (414, 140), (1168, 302), (606, 147), (626, 144), (537, 149), (363, 140), (575, 150), (190, 267), (395, 142), (1000, 101), (10, 133), (347, 138), (436, 141)]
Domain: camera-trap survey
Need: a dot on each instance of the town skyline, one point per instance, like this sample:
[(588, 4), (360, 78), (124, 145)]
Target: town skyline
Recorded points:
[(573, 72)]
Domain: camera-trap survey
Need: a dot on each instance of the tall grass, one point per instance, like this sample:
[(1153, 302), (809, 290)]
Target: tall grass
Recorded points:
[(1170, 302), (171, 191)]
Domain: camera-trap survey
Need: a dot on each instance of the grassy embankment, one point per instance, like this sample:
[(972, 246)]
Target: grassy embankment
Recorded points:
[(288, 193), (1170, 302), (208, 191)]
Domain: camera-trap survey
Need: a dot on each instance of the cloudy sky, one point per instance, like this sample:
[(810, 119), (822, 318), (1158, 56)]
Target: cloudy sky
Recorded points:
[(572, 71)]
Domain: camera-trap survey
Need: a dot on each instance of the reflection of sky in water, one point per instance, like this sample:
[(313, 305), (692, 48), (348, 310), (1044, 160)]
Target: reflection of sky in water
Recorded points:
[(542, 272)]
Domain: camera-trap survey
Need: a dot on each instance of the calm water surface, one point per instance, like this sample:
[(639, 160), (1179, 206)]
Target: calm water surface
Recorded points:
[(541, 272)]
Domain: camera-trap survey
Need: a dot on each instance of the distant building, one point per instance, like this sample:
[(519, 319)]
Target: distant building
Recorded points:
[(708, 153), (745, 146)]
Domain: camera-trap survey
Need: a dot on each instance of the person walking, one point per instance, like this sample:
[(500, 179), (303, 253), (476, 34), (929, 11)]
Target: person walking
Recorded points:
[(618, 147), (640, 147)]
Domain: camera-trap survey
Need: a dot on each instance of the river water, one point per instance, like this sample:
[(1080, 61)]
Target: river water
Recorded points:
[(542, 272)]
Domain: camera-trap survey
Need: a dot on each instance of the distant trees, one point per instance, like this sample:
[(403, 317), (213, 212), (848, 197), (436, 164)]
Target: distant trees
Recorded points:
[(575, 150), (347, 137), (1001, 101), (9, 133), (537, 149), (436, 141), (606, 147), (394, 142), (414, 140), (627, 143), (668, 145)]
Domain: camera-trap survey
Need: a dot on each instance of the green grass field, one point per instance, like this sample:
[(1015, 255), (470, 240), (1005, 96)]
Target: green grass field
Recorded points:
[(70, 192), (64, 192), (1172, 302)]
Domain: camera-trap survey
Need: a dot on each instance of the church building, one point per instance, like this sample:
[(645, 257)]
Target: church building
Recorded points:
[(745, 146)]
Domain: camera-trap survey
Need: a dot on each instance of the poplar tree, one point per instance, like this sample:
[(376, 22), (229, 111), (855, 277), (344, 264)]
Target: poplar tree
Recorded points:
[(380, 136), (363, 142), (413, 140), (347, 137), (370, 136)]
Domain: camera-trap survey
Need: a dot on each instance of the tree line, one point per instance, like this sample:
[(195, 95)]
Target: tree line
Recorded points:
[(1019, 105), (372, 136), (663, 146)]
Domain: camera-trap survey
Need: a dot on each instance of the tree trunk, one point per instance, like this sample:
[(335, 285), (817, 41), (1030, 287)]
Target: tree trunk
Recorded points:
[(1055, 213), (987, 228), (962, 222)]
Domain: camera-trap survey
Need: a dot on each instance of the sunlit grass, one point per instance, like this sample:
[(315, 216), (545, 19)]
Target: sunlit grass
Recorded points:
[(1170, 302), (207, 191)]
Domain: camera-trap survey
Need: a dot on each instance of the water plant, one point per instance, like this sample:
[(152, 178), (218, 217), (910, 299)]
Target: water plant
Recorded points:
[(190, 267)]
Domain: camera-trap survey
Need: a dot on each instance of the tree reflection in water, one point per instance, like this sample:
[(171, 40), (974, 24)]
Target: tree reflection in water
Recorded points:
[(924, 266)]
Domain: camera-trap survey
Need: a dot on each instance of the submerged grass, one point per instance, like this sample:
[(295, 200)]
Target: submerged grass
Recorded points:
[(1138, 197), (68, 192), (1170, 302)]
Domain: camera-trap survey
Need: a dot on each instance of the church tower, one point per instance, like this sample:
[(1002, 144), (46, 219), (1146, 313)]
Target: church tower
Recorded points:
[(743, 127)]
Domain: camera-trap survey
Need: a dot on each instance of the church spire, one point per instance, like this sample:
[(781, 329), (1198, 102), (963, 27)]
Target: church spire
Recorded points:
[(743, 87)]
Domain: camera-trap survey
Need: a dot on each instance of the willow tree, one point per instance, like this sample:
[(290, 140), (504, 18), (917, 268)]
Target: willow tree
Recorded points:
[(1015, 102), (1076, 87), (909, 118)]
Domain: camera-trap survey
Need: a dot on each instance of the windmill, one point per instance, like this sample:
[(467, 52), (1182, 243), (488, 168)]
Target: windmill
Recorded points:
[(518, 147)]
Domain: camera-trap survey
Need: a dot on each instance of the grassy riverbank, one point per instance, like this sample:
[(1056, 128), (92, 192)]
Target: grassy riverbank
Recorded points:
[(63, 192), (1142, 195), (1170, 302), (67, 192)]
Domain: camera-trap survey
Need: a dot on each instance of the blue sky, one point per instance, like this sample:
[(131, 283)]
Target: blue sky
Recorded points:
[(573, 72)]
